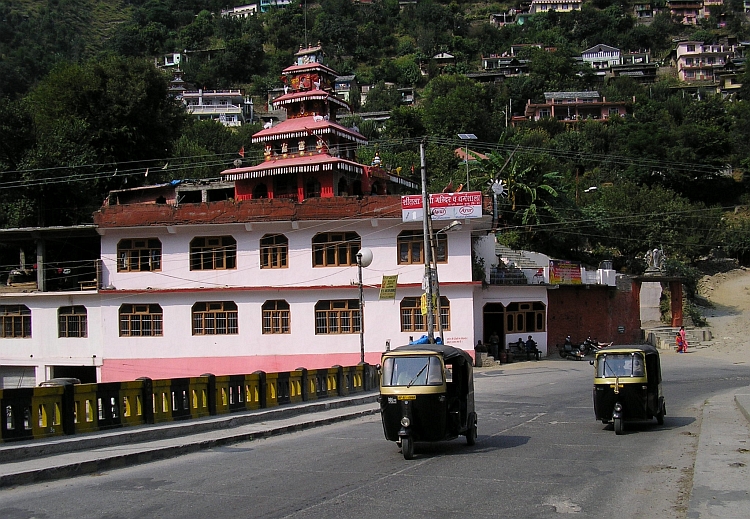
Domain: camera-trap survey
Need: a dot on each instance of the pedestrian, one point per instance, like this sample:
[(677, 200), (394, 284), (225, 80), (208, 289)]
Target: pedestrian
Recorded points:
[(494, 345), (684, 339), (679, 342)]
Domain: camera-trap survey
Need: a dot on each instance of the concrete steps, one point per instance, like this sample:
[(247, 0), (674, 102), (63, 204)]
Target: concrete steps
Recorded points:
[(517, 258), (662, 337)]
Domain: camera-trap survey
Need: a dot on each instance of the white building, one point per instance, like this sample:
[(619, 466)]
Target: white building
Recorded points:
[(601, 57), (561, 6), (229, 107)]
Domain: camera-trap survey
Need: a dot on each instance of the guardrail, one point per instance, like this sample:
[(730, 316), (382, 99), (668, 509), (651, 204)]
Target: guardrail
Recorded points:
[(42, 412)]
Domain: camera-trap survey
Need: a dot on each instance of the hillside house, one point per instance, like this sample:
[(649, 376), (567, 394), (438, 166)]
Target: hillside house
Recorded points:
[(570, 107)]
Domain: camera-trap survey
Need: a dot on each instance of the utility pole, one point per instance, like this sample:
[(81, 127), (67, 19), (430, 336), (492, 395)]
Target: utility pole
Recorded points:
[(427, 246)]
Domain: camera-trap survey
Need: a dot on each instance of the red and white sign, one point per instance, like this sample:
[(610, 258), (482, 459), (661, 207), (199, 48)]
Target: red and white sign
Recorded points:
[(444, 206)]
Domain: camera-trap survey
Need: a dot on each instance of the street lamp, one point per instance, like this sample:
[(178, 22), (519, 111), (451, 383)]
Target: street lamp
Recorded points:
[(364, 259), (455, 224), (467, 137)]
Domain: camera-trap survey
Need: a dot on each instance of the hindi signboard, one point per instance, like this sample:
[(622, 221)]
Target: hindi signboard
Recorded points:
[(563, 272), (388, 287), (444, 206)]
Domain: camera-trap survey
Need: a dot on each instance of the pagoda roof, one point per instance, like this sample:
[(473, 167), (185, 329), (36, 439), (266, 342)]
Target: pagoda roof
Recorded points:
[(304, 126), (308, 67), (307, 95), (281, 166)]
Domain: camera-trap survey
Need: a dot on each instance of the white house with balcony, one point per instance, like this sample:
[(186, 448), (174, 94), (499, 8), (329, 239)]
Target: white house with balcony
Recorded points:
[(601, 58), (229, 107), (561, 6)]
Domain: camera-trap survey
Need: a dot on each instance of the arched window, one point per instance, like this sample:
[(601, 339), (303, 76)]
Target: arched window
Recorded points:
[(213, 253), (525, 317), (141, 320), (274, 251), (276, 316), (215, 318), (340, 316), (71, 321), (141, 255), (412, 319), (334, 249), (260, 191), (15, 321), (410, 246)]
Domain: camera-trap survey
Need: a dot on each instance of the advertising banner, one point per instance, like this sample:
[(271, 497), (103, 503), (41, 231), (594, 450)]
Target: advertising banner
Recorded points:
[(388, 287), (444, 206), (564, 272)]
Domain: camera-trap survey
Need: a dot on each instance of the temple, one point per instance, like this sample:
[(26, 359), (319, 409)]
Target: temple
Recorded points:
[(310, 155)]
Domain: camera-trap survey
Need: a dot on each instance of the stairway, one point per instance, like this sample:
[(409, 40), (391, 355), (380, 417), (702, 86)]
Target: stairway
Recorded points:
[(517, 258), (662, 337)]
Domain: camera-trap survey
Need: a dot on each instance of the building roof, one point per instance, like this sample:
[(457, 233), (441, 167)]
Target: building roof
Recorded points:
[(600, 48), (281, 166), (248, 211), (304, 126), (305, 95)]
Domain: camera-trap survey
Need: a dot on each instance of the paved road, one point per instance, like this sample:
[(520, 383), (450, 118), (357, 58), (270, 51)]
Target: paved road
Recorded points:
[(539, 453)]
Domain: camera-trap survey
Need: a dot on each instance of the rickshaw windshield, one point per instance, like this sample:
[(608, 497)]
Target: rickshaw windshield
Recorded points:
[(620, 365), (412, 371)]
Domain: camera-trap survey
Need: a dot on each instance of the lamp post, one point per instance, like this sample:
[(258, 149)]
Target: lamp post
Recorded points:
[(467, 137), (455, 224), (364, 259)]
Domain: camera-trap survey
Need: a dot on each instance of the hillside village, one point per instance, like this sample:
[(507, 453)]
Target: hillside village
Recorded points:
[(155, 228)]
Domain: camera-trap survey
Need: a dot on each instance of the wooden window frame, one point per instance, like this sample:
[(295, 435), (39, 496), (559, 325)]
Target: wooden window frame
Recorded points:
[(139, 255), (274, 251), (412, 320), (276, 317), (410, 248), (72, 321), (518, 315), (337, 316), (141, 320), (335, 249), (215, 318), (15, 322), (213, 253)]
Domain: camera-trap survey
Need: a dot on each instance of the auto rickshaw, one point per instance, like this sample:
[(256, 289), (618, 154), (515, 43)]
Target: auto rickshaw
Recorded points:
[(627, 385), (427, 395)]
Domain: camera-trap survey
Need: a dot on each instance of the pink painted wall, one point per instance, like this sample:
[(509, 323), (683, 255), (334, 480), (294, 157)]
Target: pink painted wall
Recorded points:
[(118, 370)]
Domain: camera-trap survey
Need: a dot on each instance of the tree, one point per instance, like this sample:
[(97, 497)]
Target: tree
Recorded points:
[(456, 104)]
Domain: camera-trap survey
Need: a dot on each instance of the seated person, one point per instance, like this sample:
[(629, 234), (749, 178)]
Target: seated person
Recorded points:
[(531, 348)]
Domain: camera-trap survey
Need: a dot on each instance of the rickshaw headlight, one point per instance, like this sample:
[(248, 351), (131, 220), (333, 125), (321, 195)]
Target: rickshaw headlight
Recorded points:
[(405, 422), (618, 408)]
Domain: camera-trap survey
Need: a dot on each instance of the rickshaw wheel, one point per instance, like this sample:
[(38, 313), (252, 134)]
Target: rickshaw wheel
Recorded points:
[(407, 447), (471, 434), (618, 426), (660, 415)]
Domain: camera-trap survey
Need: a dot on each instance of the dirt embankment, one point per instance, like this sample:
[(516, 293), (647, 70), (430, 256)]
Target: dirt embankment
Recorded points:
[(729, 315)]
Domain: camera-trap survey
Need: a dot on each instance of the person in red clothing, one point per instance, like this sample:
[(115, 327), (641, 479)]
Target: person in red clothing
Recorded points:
[(680, 343), (684, 339)]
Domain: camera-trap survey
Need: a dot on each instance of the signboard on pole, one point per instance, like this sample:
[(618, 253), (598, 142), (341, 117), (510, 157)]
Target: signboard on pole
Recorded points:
[(444, 206), (388, 287), (564, 272)]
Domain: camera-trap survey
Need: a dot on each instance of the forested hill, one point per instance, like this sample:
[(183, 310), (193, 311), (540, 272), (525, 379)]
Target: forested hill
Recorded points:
[(378, 40), (83, 111)]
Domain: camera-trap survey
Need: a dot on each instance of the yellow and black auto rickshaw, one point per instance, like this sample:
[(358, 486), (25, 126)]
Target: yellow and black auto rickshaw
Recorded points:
[(427, 395), (627, 385)]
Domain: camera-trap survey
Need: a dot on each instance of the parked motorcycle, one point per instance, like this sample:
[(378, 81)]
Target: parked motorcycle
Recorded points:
[(570, 350), (591, 346)]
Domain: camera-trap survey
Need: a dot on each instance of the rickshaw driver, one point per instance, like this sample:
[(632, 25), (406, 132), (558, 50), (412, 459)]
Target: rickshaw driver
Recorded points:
[(637, 366)]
